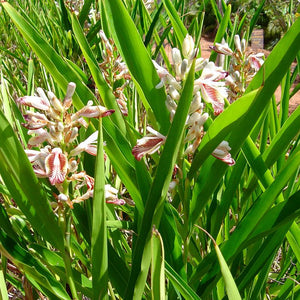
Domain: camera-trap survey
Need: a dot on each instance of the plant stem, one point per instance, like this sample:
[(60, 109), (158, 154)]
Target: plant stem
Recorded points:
[(65, 225)]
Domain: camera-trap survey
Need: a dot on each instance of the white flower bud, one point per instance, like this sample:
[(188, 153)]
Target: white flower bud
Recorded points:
[(237, 42), (73, 165), (176, 56), (174, 93), (55, 102), (196, 103), (184, 67), (243, 45), (170, 103), (188, 47), (70, 90)]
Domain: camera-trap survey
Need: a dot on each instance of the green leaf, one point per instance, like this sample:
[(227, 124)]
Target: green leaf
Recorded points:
[(3, 289), (105, 92), (85, 11), (221, 30), (280, 224), (99, 230), (231, 288), (234, 245), (176, 22), (55, 264), (186, 291), (58, 68), (24, 187), (30, 266), (157, 267), (138, 62)]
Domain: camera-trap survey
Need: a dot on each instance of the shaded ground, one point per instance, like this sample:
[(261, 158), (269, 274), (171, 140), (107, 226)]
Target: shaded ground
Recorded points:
[(294, 101)]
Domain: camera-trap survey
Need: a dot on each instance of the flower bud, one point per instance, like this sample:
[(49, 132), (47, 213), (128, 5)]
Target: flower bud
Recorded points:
[(237, 42), (184, 67), (196, 103), (174, 93), (243, 45), (55, 102), (188, 47), (176, 56), (73, 165)]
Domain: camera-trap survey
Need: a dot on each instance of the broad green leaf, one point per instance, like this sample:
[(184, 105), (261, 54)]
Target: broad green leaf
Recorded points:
[(24, 187), (99, 230), (55, 264), (49, 57), (138, 61), (283, 138), (152, 26), (276, 217), (272, 242), (6, 225), (85, 11), (141, 284)]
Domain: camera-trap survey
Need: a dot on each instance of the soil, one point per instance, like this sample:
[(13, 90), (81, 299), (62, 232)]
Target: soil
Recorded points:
[(207, 41)]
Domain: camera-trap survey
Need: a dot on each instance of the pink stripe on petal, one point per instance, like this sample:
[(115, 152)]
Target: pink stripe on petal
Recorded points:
[(56, 166), (116, 201), (34, 101), (226, 159)]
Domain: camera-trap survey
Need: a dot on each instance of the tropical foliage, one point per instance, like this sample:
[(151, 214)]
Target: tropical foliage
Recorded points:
[(133, 168)]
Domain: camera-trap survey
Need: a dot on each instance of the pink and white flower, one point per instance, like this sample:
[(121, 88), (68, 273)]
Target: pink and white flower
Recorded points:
[(212, 89), (56, 164), (93, 111), (35, 101), (89, 145), (256, 61), (148, 144), (222, 153)]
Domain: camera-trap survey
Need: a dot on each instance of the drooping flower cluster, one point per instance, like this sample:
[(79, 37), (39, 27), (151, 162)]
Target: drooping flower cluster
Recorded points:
[(210, 87), (114, 69), (243, 66), (53, 150)]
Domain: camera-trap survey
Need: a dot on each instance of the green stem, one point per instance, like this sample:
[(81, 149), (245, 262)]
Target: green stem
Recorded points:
[(65, 225)]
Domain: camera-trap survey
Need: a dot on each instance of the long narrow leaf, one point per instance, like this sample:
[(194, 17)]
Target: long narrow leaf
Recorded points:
[(24, 187), (99, 235), (157, 267), (176, 22), (138, 61), (31, 266)]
